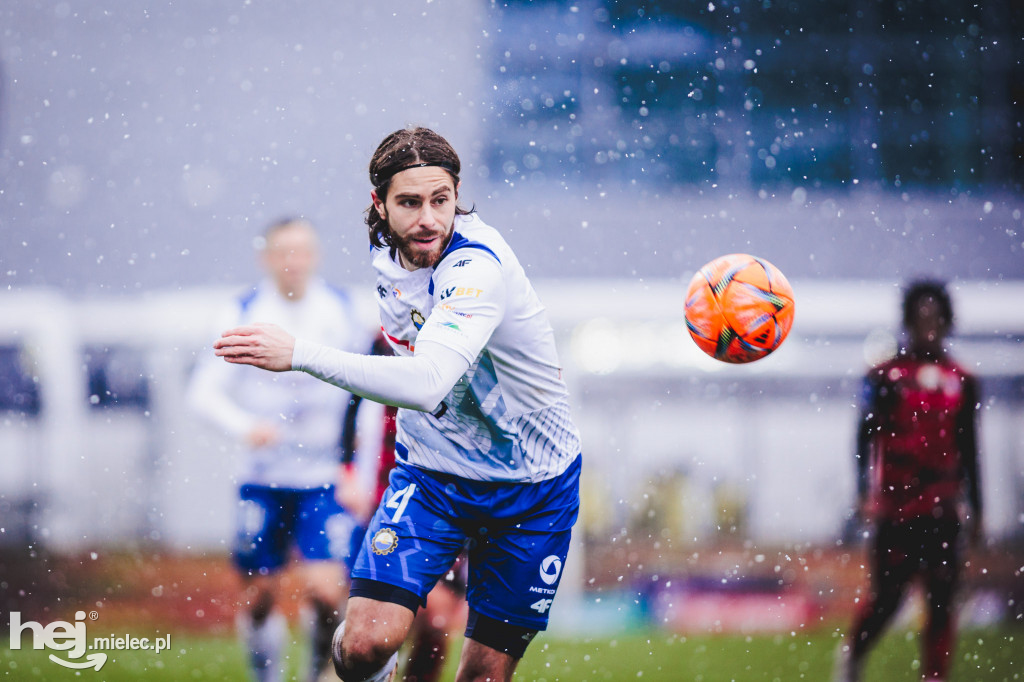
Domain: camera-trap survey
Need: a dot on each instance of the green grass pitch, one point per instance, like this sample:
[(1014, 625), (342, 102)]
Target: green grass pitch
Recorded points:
[(645, 655)]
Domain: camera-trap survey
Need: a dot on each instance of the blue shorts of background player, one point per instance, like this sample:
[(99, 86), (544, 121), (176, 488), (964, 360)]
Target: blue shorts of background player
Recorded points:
[(273, 520), (517, 536)]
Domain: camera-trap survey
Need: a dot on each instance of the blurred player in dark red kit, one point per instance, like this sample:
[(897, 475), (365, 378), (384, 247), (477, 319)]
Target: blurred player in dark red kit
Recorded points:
[(374, 426), (917, 462)]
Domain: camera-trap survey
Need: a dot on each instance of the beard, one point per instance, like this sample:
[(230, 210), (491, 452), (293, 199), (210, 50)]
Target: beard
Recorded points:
[(414, 254)]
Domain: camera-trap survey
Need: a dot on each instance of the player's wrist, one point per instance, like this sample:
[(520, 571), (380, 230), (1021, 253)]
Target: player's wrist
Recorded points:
[(302, 351)]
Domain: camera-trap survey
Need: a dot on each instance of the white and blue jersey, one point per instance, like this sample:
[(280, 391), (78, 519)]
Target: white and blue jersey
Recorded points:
[(492, 467), (508, 418), (306, 413)]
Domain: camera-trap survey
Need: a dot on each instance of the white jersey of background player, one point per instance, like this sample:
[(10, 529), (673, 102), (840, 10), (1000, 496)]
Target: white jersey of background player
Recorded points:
[(290, 424), (289, 427)]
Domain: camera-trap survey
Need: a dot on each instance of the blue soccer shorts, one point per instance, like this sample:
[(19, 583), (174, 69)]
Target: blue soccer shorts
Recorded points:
[(516, 535), (271, 521)]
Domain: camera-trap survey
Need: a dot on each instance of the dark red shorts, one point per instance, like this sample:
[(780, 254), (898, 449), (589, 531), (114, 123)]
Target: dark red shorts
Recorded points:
[(920, 545)]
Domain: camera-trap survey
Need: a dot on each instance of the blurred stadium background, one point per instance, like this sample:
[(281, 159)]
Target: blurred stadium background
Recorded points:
[(619, 146)]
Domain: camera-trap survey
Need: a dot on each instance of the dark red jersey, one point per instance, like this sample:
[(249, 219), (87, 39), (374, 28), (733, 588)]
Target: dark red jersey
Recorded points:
[(917, 447), (387, 449)]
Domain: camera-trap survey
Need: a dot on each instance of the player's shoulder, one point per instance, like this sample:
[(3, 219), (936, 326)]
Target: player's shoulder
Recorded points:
[(239, 306), (471, 251), (245, 299), (332, 292), (387, 267), (477, 263), (380, 256), (958, 369), (471, 234), (471, 266), (884, 368), (235, 307), (952, 363)]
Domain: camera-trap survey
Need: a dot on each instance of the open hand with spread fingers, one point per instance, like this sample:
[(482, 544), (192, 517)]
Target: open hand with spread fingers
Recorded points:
[(266, 346)]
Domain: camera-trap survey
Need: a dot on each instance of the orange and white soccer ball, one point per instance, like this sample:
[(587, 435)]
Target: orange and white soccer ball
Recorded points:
[(739, 308)]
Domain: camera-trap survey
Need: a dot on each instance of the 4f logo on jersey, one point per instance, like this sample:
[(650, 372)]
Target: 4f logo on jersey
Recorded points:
[(462, 262), (550, 569), (381, 291)]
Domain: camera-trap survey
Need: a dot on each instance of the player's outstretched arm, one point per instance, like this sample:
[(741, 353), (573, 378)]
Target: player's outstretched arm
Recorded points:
[(266, 346), (417, 382)]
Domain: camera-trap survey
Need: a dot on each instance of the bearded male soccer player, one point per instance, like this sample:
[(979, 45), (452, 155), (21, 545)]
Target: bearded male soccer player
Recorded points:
[(487, 453), (918, 470)]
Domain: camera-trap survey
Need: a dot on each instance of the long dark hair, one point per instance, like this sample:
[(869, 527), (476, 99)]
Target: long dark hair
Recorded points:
[(398, 151)]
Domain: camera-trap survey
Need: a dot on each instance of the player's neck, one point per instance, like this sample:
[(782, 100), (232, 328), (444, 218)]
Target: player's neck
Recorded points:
[(403, 263), (291, 295), (926, 352)]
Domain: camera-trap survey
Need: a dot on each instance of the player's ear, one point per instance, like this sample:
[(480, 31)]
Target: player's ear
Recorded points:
[(378, 204)]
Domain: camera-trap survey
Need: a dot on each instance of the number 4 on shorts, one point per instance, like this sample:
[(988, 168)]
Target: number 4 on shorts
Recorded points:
[(399, 501)]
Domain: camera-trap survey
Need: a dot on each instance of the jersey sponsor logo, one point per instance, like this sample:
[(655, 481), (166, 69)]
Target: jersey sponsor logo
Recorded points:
[(550, 569), (417, 318), (463, 262), (453, 292), (381, 291), (445, 306), (541, 590), (384, 541), (452, 326), (541, 606)]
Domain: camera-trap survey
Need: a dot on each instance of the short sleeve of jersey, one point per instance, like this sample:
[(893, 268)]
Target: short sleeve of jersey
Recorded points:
[(469, 303)]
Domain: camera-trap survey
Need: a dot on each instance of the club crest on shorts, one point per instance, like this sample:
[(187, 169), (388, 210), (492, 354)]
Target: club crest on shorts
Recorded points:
[(384, 541)]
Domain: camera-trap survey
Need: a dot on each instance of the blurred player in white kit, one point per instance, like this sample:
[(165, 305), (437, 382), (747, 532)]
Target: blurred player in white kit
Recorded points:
[(290, 429)]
